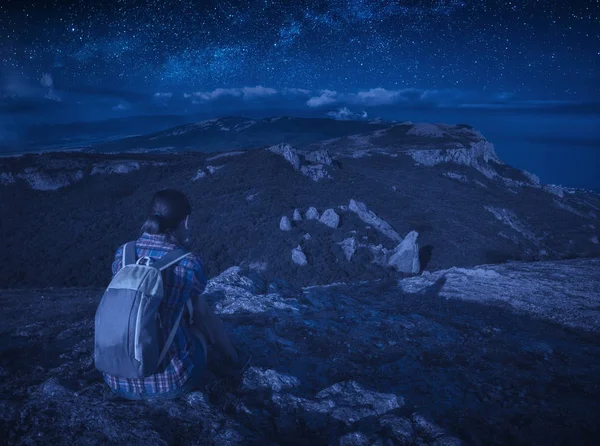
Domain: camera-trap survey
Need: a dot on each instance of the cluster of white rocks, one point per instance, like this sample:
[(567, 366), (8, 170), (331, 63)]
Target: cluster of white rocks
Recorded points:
[(404, 257), (204, 172), (112, 168), (41, 180), (57, 174), (329, 218)]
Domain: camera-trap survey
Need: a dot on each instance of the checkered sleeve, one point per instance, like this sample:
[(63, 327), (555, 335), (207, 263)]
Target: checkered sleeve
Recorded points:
[(116, 265)]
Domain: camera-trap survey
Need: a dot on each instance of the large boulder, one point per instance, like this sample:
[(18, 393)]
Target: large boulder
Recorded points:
[(330, 218), (297, 216), (298, 257), (312, 213), (372, 219), (405, 257), (285, 224)]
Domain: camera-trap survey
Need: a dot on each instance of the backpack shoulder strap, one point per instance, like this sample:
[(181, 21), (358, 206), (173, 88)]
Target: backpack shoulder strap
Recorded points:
[(164, 262), (170, 338), (170, 259), (128, 254)]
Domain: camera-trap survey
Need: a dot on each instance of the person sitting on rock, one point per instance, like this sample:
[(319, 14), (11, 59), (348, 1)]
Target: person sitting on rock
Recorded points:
[(184, 367)]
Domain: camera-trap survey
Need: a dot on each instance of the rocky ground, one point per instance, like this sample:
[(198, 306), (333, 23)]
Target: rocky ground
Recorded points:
[(497, 354)]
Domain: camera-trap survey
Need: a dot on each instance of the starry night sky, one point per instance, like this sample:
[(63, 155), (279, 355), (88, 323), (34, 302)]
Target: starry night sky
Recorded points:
[(349, 58)]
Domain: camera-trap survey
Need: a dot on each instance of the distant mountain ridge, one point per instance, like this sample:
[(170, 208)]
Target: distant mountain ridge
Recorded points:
[(59, 136), (239, 133)]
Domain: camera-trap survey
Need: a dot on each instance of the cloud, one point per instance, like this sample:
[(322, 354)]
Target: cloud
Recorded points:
[(48, 83), (379, 96), (199, 96), (345, 114), (162, 98), (246, 93), (258, 92), (122, 107), (46, 80), (297, 91), (327, 97)]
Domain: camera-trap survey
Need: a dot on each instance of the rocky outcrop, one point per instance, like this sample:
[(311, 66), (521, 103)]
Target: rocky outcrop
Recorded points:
[(315, 172), (256, 378), (534, 180), (115, 168), (346, 401), (6, 178), (307, 236), (372, 219), (199, 175), (555, 189), (510, 219), (289, 153), (311, 164), (297, 216), (380, 254), (236, 292), (298, 256), (213, 169), (427, 129), (456, 176), (319, 157), (405, 258), (50, 180), (285, 224), (56, 174), (330, 218), (205, 172), (312, 213), (478, 155), (349, 246)]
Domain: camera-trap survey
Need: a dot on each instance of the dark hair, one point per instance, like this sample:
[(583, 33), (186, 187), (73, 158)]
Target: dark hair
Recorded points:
[(169, 207)]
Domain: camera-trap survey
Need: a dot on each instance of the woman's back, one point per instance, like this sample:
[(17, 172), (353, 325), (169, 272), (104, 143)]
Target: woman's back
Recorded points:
[(179, 283)]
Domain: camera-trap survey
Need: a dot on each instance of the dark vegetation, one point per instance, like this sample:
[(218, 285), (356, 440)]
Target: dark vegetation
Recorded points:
[(69, 236)]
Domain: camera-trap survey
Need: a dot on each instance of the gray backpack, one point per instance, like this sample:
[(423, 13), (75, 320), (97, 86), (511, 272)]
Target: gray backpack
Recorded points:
[(127, 319)]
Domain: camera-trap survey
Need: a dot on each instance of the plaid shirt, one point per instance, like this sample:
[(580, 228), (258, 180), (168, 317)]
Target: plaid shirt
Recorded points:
[(180, 281)]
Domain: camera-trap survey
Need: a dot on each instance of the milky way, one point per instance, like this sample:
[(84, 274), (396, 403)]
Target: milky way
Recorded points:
[(535, 49)]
